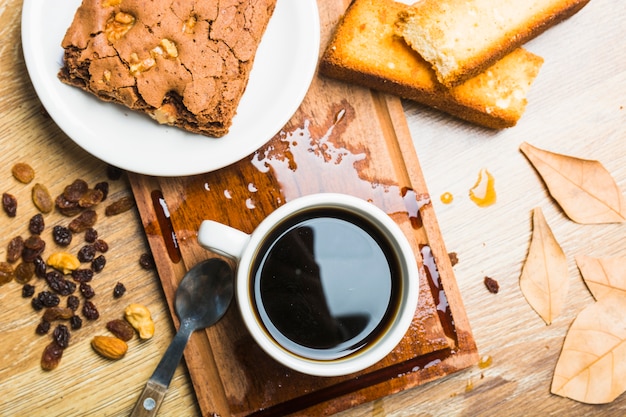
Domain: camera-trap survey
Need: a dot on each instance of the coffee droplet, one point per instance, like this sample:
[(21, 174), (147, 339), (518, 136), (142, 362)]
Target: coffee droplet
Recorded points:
[(484, 192), (446, 198)]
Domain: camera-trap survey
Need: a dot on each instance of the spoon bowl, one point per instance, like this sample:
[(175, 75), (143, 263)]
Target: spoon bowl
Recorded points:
[(202, 298)]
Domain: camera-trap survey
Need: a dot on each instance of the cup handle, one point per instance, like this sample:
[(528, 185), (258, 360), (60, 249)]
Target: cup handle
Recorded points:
[(222, 239)]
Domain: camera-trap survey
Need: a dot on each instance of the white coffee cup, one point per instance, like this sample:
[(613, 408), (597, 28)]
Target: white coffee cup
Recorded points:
[(327, 284)]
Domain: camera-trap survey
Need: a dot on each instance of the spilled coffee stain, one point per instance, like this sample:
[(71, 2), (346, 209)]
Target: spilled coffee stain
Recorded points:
[(318, 155)]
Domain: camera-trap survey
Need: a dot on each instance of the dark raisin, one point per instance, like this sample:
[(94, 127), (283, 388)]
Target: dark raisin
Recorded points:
[(91, 235), (61, 335), (492, 285), (9, 204), (120, 206), (104, 188), (6, 273), (82, 275), (121, 329), (86, 290), (75, 190), (119, 290), (36, 303), (48, 299), (98, 264), (85, 220), (33, 247), (43, 327), (36, 224), (76, 322), (101, 246), (40, 267), (146, 261), (114, 173), (90, 311), (66, 207), (87, 253), (15, 249), (28, 290), (62, 235), (51, 356), (73, 302), (59, 284)]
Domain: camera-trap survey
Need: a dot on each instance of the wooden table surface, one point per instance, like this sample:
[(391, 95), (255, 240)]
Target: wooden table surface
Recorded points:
[(577, 106)]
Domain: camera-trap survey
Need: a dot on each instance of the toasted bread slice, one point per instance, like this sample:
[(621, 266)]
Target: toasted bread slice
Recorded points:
[(461, 38), (365, 50)]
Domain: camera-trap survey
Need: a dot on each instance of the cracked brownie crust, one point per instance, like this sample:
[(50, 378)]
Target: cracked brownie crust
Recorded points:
[(183, 62)]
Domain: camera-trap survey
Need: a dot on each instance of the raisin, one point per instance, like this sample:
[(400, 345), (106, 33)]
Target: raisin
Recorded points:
[(57, 313), (87, 290), (84, 221), (28, 291), (61, 335), (6, 273), (492, 285), (43, 327), (82, 275), (101, 246), (91, 235), (87, 253), (48, 299), (104, 189), (59, 284), (9, 204), (15, 249), (121, 329), (66, 207), (36, 224), (146, 261), (36, 304), (119, 206), (76, 322), (92, 197), (90, 311), (98, 264), (119, 290), (75, 190), (51, 356), (40, 267), (33, 247), (114, 173), (42, 198), (62, 235), (24, 272), (23, 172), (73, 302)]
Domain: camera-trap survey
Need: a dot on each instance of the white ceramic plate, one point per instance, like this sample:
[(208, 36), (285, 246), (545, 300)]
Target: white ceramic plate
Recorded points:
[(283, 69)]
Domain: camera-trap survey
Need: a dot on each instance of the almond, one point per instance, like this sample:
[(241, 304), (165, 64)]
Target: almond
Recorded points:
[(109, 347)]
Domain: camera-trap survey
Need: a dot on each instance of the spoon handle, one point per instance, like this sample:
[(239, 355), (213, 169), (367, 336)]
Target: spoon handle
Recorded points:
[(154, 392)]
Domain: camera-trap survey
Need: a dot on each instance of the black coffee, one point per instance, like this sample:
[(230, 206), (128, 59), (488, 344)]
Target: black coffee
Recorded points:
[(327, 284)]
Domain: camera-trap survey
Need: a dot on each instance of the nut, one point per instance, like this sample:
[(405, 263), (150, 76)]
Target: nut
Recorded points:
[(166, 114), (117, 26), (169, 48), (139, 317), (109, 347), (138, 66), (63, 262), (111, 3), (189, 26)]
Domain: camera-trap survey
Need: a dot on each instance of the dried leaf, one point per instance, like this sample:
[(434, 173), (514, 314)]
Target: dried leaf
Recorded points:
[(544, 280), (603, 276), (583, 188), (592, 364)]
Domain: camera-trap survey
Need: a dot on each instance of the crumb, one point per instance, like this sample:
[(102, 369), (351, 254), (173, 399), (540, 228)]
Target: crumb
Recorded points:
[(492, 285), (454, 259)]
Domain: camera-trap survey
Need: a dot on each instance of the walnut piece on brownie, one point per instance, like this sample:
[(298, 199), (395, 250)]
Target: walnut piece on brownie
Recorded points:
[(185, 63)]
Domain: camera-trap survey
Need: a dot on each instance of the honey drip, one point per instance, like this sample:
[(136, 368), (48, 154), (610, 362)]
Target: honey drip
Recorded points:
[(484, 192)]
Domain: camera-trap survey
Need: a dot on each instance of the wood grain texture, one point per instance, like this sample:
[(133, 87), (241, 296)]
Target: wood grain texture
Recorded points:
[(576, 106)]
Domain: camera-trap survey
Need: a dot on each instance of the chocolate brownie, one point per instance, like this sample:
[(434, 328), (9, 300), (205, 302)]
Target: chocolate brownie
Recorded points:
[(185, 63)]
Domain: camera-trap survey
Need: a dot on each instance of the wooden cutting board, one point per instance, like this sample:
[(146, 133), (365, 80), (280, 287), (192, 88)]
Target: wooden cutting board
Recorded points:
[(343, 139)]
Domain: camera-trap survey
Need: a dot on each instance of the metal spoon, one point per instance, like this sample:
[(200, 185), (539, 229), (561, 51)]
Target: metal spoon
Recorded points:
[(202, 298)]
